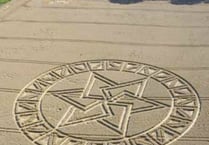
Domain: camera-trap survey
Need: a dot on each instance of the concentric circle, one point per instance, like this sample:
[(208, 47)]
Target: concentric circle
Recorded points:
[(106, 102)]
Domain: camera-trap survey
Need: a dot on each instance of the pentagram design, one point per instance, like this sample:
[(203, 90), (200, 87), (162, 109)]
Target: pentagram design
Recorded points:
[(106, 102)]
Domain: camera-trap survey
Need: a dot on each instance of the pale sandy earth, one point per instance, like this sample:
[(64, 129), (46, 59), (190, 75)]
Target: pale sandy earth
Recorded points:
[(38, 35)]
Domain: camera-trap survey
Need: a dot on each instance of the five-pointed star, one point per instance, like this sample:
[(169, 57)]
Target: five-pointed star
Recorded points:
[(107, 102)]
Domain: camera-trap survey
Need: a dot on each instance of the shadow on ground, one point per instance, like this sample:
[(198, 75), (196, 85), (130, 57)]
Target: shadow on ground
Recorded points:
[(189, 2), (125, 1), (177, 2)]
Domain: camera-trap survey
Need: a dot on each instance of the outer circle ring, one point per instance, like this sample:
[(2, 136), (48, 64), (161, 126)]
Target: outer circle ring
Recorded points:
[(38, 87)]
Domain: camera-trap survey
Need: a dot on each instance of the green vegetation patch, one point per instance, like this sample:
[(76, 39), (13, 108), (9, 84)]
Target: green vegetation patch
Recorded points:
[(4, 1)]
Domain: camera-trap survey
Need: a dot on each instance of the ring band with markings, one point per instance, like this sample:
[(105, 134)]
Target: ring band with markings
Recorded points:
[(106, 102)]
